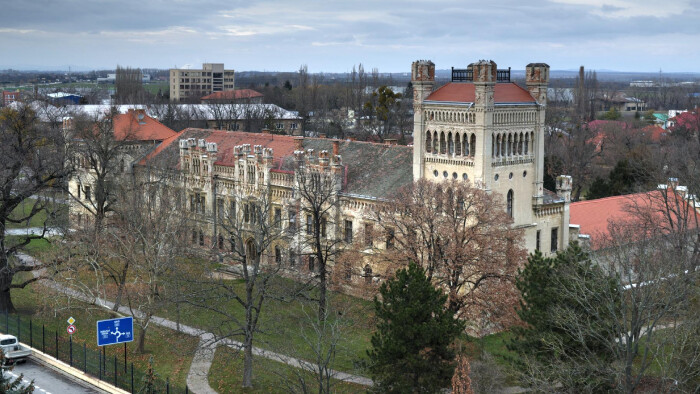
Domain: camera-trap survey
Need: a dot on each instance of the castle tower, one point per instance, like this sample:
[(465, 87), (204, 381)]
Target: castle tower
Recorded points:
[(423, 81), (484, 77), (536, 80)]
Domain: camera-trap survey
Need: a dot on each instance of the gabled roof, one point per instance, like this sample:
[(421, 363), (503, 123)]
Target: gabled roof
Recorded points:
[(135, 125), (463, 92), (594, 216), (237, 94)]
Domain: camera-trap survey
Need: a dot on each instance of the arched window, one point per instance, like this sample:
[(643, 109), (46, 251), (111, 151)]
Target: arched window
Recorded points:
[(527, 140), (465, 145), (435, 143), (472, 144), (458, 145), (443, 143), (509, 146), (278, 255), (251, 252), (509, 203), (450, 144), (428, 143)]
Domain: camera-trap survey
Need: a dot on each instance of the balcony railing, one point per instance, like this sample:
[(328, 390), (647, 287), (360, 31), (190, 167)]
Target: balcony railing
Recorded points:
[(467, 75)]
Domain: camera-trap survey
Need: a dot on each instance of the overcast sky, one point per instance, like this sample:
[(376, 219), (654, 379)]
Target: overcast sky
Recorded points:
[(331, 36)]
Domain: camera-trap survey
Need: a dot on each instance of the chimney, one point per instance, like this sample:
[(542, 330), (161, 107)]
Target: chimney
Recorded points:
[(298, 143), (322, 135), (336, 147), (564, 186), (265, 130), (673, 183)]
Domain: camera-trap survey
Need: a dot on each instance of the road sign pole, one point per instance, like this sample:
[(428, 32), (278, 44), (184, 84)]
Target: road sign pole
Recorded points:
[(70, 341), (124, 357)]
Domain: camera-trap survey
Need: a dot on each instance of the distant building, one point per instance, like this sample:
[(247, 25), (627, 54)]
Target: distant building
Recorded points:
[(9, 97), (242, 96), (112, 77), (62, 98), (187, 84), (621, 102)]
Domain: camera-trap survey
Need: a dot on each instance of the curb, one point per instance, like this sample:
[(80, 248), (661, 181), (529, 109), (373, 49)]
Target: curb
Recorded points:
[(74, 372)]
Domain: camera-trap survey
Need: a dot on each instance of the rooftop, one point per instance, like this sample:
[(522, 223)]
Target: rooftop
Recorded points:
[(238, 94), (464, 92)]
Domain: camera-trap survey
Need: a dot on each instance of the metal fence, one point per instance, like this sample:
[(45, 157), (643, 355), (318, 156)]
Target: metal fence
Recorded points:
[(111, 369)]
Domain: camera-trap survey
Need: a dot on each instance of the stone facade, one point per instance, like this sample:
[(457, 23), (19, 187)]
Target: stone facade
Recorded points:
[(490, 131)]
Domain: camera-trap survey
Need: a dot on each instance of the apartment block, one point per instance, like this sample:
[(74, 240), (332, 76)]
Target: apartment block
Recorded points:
[(192, 84)]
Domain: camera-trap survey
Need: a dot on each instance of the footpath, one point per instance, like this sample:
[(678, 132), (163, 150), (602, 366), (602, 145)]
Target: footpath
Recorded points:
[(197, 378)]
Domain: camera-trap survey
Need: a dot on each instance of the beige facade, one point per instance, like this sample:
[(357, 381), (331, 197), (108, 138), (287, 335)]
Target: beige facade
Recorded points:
[(479, 128), (193, 84), (483, 128)]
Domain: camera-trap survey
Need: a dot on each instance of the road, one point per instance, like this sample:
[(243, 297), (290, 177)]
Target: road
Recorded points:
[(49, 381)]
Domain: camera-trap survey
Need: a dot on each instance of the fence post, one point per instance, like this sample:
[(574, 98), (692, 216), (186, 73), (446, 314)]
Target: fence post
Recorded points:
[(132, 378), (115, 370), (31, 336), (85, 357), (56, 345), (70, 345), (167, 385), (43, 339), (19, 332)]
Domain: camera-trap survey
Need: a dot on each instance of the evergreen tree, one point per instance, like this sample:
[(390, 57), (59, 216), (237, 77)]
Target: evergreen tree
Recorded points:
[(552, 287), (9, 385), (411, 350)]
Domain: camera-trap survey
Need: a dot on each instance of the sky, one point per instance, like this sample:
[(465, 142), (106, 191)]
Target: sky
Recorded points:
[(332, 36)]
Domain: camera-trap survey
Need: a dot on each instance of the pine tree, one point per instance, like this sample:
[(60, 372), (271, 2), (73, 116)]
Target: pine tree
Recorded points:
[(9, 385), (411, 350), (552, 287)]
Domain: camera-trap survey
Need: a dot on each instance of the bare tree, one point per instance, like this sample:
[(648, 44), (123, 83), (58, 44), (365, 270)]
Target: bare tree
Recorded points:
[(462, 237), (252, 232), (651, 261), (147, 235), (316, 187), (33, 161)]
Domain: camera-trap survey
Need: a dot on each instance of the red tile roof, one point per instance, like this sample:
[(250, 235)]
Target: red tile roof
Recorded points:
[(594, 216), (135, 125), (237, 94), (282, 145), (462, 92)]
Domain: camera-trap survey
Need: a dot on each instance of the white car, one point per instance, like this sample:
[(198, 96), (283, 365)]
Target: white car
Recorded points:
[(13, 350)]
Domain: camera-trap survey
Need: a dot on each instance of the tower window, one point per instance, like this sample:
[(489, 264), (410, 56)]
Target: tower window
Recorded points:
[(555, 239), (509, 206), (537, 240)]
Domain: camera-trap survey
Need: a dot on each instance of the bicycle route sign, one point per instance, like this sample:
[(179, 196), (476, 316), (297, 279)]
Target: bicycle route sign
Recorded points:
[(112, 331)]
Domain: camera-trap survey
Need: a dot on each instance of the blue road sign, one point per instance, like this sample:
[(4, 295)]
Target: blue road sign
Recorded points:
[(114, 331)]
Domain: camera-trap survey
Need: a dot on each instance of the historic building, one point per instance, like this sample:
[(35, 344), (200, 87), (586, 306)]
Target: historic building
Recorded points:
[(486, 129), (479, 128)]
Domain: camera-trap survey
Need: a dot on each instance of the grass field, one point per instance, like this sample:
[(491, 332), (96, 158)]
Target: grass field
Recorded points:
[(269, 376), (54, 215), (285, 325)]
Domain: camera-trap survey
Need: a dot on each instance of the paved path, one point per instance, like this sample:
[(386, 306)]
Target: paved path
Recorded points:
[(51, 231), (197, 378)]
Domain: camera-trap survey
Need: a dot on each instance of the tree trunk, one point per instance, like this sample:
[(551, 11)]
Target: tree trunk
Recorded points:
[(248, 360), (120, 288), (141, 348), (322, 292), (6, 276)]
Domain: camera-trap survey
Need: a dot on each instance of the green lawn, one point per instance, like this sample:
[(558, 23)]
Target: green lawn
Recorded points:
[(269, 376), (54, 215), (285, 324)]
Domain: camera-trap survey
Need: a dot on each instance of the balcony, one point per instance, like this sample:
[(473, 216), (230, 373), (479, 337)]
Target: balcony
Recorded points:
[(467, 75)]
